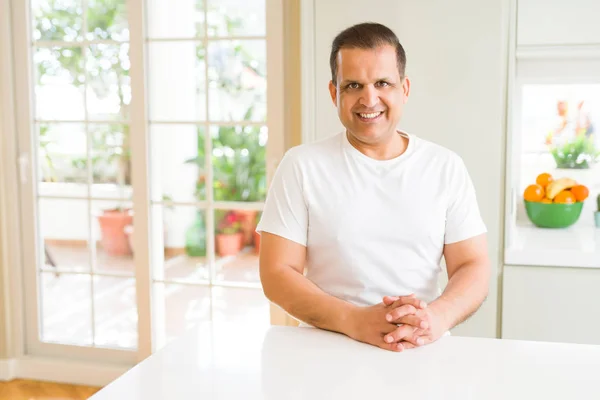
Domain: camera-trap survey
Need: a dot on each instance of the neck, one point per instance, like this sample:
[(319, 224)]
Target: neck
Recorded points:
[(392, 146)]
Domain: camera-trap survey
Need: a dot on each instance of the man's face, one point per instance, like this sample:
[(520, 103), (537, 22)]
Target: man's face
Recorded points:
[(369, 93)]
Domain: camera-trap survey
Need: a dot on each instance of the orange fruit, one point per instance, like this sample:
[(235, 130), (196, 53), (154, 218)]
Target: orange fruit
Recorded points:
[(565, 197), (580, 192), (546, 200), (543, 179), (534, 193)]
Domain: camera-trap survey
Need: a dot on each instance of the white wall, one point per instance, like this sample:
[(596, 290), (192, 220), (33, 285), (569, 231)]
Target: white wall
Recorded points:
[(456, 59)]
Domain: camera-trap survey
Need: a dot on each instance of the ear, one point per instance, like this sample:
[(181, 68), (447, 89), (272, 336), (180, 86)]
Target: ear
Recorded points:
[(405, 89), (333, 93)]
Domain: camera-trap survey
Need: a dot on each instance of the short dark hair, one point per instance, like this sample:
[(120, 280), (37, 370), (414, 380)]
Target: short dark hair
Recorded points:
[(368, 35)]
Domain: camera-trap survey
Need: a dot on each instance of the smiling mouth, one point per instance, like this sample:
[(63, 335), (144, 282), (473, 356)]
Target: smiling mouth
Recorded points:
[(369, 116)]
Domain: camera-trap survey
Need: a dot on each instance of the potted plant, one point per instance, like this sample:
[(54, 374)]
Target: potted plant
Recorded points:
[(113, 223), (229, 235), (597, 213), (240, 171), (579, 153)]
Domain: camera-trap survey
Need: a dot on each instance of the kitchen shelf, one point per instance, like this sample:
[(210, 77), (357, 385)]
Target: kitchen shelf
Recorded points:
[(577, 246)]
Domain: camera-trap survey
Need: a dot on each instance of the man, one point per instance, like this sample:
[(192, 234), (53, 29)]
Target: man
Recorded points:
[(370, 212)]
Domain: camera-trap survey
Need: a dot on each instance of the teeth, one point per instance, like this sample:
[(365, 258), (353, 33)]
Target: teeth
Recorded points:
[(371, 115)]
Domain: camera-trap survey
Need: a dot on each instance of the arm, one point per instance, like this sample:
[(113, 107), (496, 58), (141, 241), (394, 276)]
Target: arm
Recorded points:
[(467, 263), (469, 272), (284, 236), (281, 273)]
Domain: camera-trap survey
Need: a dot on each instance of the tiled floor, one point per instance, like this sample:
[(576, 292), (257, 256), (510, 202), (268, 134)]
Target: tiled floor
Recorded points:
[(67, 306)]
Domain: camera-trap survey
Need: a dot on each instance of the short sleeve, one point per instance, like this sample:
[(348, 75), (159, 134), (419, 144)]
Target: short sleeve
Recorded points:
[(285, 212), (463, 219)]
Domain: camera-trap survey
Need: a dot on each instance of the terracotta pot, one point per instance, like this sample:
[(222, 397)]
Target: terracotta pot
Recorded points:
[(229, 245), (114, 240), (247, 220), (256, 242)]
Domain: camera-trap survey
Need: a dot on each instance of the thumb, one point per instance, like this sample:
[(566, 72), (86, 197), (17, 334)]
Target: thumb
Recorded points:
[(389, 300)]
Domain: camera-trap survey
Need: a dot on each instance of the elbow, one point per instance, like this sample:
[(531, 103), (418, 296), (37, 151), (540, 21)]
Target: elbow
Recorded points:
[(266, 281), (487, 276)]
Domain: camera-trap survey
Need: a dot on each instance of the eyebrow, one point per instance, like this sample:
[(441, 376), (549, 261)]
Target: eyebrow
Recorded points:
[(348, 81)]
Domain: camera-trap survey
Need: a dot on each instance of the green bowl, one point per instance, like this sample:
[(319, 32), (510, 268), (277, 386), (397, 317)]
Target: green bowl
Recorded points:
[(553, 215)]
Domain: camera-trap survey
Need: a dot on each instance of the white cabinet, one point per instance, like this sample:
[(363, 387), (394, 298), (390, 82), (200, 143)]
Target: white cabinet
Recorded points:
[(558, 22), (551, 304)]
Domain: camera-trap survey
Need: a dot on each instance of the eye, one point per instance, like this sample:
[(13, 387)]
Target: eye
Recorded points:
[(353, 85), (382, 84)]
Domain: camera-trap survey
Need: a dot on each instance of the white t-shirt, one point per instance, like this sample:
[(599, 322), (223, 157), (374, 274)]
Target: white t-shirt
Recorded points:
[(372, 227)]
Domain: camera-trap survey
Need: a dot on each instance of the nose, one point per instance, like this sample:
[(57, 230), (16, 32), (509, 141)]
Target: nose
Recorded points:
[(370, 96)]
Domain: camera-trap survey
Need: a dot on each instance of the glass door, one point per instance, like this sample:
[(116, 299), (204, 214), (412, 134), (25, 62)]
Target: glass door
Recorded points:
[(209, 137), (118, 267)]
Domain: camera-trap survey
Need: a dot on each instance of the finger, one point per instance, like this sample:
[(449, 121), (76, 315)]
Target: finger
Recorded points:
[(407, 345), (413, 320), (389, 300), (421, 332), (409, 300), (397, 347), (403, 332), (399, 312)]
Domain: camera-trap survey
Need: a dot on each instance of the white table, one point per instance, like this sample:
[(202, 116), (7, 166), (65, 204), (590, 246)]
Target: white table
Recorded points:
[(235, 362)]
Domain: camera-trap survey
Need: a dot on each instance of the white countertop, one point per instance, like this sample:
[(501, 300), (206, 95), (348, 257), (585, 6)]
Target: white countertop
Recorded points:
[(239, 362), (576, 246)]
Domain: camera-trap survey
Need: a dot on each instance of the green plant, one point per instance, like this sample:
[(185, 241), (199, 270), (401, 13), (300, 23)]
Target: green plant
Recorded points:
[(238, 163), (598, 202), (579, 153)]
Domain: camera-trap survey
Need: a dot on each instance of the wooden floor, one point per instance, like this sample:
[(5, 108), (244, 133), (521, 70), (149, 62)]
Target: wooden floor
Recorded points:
[(21, 389)]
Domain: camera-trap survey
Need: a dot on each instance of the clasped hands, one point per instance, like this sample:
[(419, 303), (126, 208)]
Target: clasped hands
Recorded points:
[(398, 323)]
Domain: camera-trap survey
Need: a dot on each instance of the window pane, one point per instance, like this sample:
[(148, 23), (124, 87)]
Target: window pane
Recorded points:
[(179, 243), (59, 87), (239, 163), (115, 312), (64, 231), (238, 85), (184, 307), (177, 151), (177, 86), (109, 85), (66, 308), (554, 115), (175, 19), (236, 18), (107, 20), (57, 19), (111, 159), (62, 157), (112, 223), (236, 246)]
